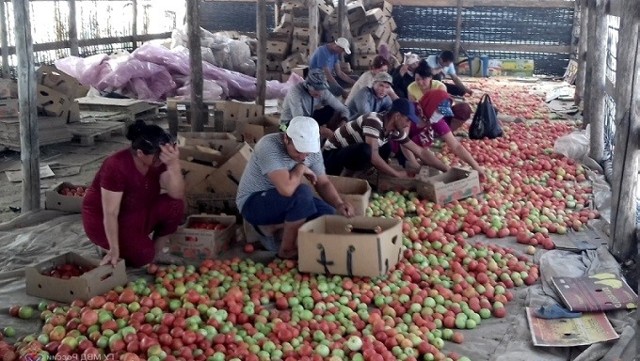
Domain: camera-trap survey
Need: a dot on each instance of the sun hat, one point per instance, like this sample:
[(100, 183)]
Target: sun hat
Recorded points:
[(316, 79), (383, 77), (305, 134)]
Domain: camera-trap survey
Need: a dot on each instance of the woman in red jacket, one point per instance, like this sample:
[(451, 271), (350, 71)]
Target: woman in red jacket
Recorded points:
[(124, 210)]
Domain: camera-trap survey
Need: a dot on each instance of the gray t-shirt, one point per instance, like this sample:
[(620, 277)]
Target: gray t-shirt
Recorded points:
[(269, 155)]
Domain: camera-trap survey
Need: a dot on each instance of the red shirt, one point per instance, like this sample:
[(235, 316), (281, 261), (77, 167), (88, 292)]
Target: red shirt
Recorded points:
[(118, 173)]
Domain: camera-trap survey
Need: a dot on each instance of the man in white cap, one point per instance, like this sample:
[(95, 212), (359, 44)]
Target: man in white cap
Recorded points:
[(272, 195), (327, 57), (403, 75), (376, 98)]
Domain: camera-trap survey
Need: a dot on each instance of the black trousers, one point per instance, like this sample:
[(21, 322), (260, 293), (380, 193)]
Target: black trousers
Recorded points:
[(451, 88), (356, 157)]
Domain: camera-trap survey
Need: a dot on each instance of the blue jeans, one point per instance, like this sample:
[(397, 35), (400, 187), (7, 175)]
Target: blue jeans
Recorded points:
[(270, 207)]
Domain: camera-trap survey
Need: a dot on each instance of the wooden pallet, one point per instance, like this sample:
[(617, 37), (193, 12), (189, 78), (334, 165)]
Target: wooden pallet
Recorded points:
[(88, 133), (132, 108)]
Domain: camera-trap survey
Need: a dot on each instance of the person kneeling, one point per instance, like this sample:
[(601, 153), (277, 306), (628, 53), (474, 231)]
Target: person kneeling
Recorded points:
[(272, 192)]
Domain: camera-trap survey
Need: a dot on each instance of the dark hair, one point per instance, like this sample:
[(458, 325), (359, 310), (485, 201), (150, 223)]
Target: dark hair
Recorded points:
[(147, 137), (447, 56), (379, 61), (423, 69)]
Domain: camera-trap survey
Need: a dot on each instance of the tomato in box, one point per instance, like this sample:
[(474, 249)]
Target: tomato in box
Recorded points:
[(67, 270), (73, 191)]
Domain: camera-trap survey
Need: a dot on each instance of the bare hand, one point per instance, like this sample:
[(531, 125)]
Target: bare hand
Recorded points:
[(311, 177), (468, 91), (112, 257), (345, 209), (482, 174), (326, 133), (403, 174), (169, 154)]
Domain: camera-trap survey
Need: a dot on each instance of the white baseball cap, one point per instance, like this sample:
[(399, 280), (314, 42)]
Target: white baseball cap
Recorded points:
[(305, 134), (410, 58), (344, 44)]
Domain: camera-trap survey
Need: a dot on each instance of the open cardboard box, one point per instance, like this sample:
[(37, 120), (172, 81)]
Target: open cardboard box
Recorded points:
[(55, 200), (358, 246), (251, 131), (198, 244), (457, 183), (95, 282), (355, 191), (202, 138)]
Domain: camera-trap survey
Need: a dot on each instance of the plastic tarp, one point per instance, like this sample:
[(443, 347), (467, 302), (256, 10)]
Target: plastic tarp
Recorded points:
[(153, 73)]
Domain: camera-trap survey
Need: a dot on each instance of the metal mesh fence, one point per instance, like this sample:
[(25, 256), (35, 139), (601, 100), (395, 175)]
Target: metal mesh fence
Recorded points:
[(610, 105), (238, 16)]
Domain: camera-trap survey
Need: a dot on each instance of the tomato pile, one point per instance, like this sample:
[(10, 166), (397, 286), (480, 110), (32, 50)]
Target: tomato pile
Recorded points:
[(241, 310), (73, 191), (67, 270)]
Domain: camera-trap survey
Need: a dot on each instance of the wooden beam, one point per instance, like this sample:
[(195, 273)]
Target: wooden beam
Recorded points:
[(134, 24), (615, 8), (622, 243), (54, 45), (582, 52), (29, 144), (595, 79), (4, 42), (276, 11), (517, 48), (195, 59), (456, 48), (261, 71), (74, 48), (314, 20), (342, 19)]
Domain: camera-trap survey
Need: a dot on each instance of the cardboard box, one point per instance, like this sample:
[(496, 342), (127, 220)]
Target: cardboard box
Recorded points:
[(277, 48), (8, 89), (374, 16), (55, 200), (364, 44), (363, 61), (9, 108), (358, 246), (210, 203), (301, 33), (234, 158), (53, 78), (53, 103), (355, 11), (292, 61), (199, 244), (252, 131), (300, 46), (511, 67), (301, 70), (355, 191), (202, 138), (92, 283), (455, 184)]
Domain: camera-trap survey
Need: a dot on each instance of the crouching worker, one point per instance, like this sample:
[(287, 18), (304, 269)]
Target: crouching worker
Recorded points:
[(271, 191), (124, 205)]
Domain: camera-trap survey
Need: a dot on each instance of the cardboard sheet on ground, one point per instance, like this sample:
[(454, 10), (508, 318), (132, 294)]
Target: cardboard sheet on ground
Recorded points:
[(15, 176), (568, 332), (49, 233)]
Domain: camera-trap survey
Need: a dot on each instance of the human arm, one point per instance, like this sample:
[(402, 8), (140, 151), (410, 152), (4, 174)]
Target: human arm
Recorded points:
[(341, 74), (426, 156), (328, 192), (287, 181), (459, 150), (110, 210), (172, 180), (460, 85), (392, 94), (330, 100), (329, 75), (379, 163)]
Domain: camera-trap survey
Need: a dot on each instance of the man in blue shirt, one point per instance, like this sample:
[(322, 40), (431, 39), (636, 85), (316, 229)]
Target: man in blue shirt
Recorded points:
[(442, 66), (327, 57)]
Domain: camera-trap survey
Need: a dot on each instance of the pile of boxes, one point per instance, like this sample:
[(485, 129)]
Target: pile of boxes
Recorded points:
[(56, 105), (370, 23)]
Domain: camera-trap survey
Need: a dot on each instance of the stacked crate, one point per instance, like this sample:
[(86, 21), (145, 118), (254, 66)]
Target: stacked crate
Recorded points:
[(368, 23), (371, 24)]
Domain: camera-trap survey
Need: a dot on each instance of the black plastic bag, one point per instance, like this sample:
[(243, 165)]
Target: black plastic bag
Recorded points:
[(485, 121)]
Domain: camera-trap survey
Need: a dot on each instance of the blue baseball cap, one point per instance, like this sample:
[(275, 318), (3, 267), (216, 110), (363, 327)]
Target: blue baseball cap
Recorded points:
[(406, 108)]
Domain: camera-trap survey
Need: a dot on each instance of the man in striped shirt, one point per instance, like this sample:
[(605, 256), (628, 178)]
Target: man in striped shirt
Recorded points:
[(355, 145)]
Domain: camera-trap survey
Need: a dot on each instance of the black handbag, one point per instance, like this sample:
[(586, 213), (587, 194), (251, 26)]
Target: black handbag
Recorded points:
[(485, 121)]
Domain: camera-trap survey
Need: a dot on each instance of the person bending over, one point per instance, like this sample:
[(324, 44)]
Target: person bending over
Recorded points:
[(380, 65), (271, 190), (423, 83), (441, 67), (327, 58), (377, 98), (124, 203)]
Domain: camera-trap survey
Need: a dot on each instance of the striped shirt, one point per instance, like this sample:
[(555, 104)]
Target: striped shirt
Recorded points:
[(367, 125)]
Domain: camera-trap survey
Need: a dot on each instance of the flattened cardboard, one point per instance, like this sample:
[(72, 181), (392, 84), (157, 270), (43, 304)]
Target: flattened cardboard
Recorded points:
[(55, 200), (598, 292), (453, 185), (200, 244), (92, 283), (326, 246)]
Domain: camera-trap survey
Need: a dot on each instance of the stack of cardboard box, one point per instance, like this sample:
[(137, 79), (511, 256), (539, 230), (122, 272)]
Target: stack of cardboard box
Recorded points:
[(369, 23), (56, 105)]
